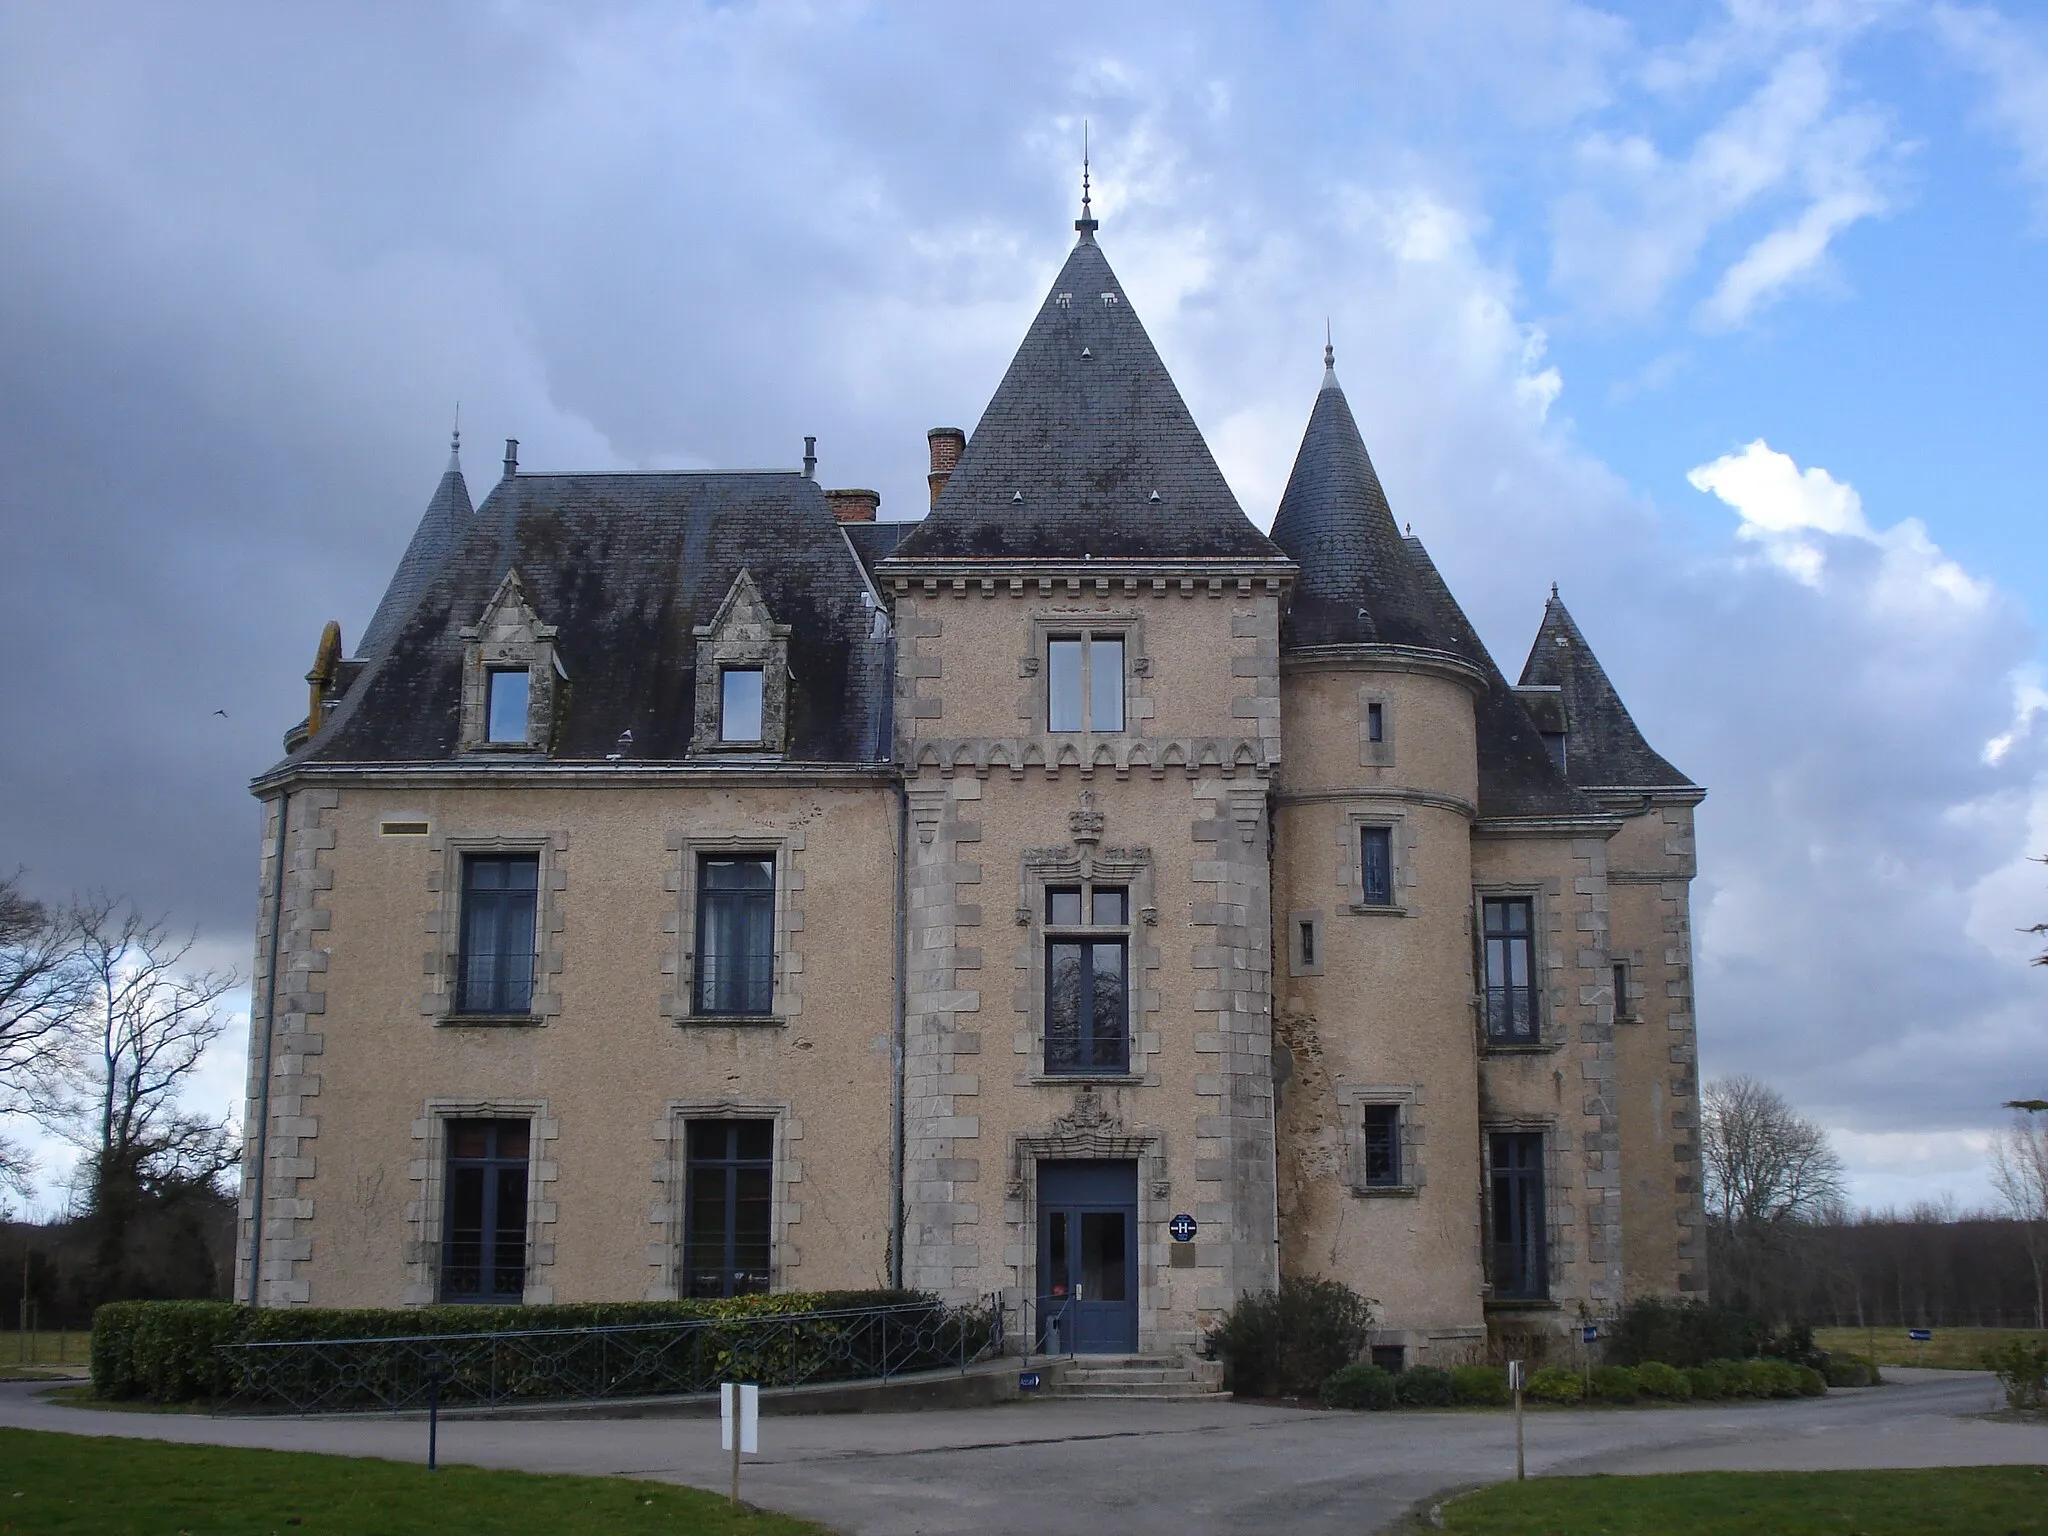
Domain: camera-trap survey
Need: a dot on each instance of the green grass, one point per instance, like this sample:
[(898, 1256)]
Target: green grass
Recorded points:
[(72, 1485), (1955, 1349), (1963, 1501), (20, 1353)]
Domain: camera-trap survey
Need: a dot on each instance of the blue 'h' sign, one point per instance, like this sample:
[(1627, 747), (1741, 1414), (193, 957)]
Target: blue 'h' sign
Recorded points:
[(1182, 1228)]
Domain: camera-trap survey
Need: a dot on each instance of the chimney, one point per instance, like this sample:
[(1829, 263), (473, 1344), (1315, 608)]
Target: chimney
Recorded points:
[(810, 458), (854, 506), (511, 457), (947, 444)]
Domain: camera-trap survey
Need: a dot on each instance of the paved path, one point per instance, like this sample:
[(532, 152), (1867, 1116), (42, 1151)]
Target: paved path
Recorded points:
[(1045, 1468)]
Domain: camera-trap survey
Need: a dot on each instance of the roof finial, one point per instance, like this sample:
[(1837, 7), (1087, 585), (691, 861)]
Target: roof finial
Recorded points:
[(1329, 357), (455, 442), (1553, 591), (1087, 224)]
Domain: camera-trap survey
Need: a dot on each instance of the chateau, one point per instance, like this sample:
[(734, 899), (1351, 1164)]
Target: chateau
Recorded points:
[(693, 885)]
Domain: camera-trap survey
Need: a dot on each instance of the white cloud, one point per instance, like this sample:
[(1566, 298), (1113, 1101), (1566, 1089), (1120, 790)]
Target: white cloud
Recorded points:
[(2012, 58)]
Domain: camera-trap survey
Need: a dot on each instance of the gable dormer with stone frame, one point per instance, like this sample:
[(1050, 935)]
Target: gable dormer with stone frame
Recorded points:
[(742, 676), (509, 650)]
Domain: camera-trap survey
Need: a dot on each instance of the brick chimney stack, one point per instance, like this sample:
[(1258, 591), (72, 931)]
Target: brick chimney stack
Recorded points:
[(854, 506), (947, 444)]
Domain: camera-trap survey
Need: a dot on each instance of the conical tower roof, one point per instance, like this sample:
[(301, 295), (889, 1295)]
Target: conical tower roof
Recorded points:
[(1357, 585), (1603, 747), (441, 528), (1086, 448)]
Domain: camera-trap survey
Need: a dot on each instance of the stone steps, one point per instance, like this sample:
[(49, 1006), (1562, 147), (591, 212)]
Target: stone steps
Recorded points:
[(1140, 1379)]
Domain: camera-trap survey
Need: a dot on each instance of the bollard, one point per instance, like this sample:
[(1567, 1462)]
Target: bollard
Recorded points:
[(1515, 1381), (435, 1363)]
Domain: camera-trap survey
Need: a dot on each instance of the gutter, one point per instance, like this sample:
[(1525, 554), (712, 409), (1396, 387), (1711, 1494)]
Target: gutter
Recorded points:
[(284, 814), (897, 1045)]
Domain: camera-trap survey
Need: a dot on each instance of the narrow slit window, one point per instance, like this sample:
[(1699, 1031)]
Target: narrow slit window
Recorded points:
[(506, 708), (1308, 943), (1621, 1007), (739, 704), (1376, 866), (1375, 722)]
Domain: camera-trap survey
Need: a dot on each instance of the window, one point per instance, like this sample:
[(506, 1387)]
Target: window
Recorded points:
[(1510, 970), (1383, 1146), (1084, 683), (736, 935), (739, 704), (1376, 866), (729, 1198), (494, 972), (1087, 963), (483, 1237), (1391, 1358), (1308, 942), (1520, 1260), (506, 708), (1375, 722), (1622, 1010)]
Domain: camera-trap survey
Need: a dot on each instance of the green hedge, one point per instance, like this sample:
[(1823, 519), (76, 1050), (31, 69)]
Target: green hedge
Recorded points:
[(1424, 1386), (1615, 1384), (1358, 1386), (1291, 1340), (1481, 1386), (1554, 1384), (1656, 1379), (164, 1350)]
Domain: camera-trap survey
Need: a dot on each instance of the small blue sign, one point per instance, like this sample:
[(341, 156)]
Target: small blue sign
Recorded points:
[(1919, 1335), (1027, 1381), (1589, 1333), (1182, 1228)]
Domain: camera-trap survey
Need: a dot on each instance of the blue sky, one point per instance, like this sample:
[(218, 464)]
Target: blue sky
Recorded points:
[(1727, 317)]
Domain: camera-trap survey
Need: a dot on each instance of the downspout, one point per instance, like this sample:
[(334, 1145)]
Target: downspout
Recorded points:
[(896, 1084), (284, 815)]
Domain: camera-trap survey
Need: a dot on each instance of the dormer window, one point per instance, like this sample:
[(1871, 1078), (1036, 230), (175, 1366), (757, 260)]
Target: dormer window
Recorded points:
[(739, 705), (510, 696)]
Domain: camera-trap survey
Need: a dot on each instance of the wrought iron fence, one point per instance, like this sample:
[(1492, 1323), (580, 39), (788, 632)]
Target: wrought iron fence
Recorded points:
[(621, 1360)]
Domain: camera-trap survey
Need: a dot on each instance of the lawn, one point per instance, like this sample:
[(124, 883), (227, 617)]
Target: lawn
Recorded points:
[(72, 1485), (1956, 1349), (21, 1351), (1965, 1501)]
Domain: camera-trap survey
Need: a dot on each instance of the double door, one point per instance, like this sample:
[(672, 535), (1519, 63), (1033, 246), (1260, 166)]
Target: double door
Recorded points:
[(1088, 1257)]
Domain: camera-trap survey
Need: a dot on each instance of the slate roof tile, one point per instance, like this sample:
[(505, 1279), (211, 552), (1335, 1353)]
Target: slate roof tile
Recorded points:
[(1603, 747), (441, 528)]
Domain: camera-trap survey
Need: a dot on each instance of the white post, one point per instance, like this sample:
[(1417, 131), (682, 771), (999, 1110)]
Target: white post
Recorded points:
[(1515, 1381), (739, 1426)]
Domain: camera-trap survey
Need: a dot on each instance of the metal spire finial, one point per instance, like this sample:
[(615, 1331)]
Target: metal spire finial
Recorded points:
[(1087, 224), (1553, 591), (455, 441)]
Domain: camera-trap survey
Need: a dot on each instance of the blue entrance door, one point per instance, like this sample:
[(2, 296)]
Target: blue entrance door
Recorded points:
[(1088, 1257)]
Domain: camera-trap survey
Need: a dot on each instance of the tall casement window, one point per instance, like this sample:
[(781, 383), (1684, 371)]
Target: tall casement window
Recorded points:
[(505, 706), (483, 1233), (729, 1202), (1510, 971), (495, 967), (739, 704), (1521, 1269), (1084, 682), (735, 934), (1087, 969), (1382, 1144), (1376, 866)]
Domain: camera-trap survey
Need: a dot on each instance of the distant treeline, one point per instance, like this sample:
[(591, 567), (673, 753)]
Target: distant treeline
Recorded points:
[(184, 1251)]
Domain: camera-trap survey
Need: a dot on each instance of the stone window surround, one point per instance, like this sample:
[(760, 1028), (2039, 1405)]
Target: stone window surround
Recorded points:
[(1312, 920), (1550, 1030), (719, 648), (1132, 868), (670, 1176), (1129, 625), (1375, 754), (444, 924), (1554, 1223), (1405, 875), (1628, 1007), (526, 645), (1410, 1098), (426, 1211), (679, 965)]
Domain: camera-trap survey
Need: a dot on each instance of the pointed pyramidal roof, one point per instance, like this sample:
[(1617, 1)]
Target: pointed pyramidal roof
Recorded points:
[(1087, 447), (1357, 585), (1603, 748), (441, 528)]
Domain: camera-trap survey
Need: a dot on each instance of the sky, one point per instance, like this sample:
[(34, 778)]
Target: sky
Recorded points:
[(1727, 317)]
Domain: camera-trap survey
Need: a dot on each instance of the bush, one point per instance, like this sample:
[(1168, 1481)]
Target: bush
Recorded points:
[(1718, 1379), (1358, 1386), (1555, 1384), (1424, 1386), (1683, 1333), (1614, 1384), (1665, 1382), (1811, 1382), (1794, 1345), (1483, 1386), (1289, 1341), (1772, 1378), (2022, 1370)]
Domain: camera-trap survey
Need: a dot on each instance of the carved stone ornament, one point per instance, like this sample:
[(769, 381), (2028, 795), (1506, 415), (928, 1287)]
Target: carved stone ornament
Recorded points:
[(1089, 1115), (1087, 822)]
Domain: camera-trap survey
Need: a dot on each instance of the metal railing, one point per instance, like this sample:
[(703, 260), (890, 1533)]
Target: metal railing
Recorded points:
[(1044, 1329), (609, 1361)]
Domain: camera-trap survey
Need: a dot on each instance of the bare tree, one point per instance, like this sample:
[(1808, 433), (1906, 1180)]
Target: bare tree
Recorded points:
[(43, 987), (2019, 1173), (1769, 1176)]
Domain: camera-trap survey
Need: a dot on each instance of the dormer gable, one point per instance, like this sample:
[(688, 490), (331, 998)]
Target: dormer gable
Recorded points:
[(509, 675), (742, 675)]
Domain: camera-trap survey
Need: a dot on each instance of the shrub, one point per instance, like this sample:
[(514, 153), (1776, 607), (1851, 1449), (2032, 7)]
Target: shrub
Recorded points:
[(1811, 1382), (1719, 1378), (1772, 1378), (1358, 1386), (1794, 1345), (2022, 1370), (1667, 1382), (1614, 1384), (1683, 1333), (1555, 1384), (1849, 1371), (1480, 1385), (1291, 1340), (1424, 1386)]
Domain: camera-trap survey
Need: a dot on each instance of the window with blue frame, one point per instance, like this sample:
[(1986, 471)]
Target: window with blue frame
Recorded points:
[(1376, 866), (483, 1232), (1087, 968), (729, 1203), (1520, 1249), (494, 969), (735, 965)]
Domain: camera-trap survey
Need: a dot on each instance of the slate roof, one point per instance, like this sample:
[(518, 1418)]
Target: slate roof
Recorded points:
[(1086, 426), (625, 566), (441, 528), (1358, 585), (876, 541), (1602, 745), (1517, 777)]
